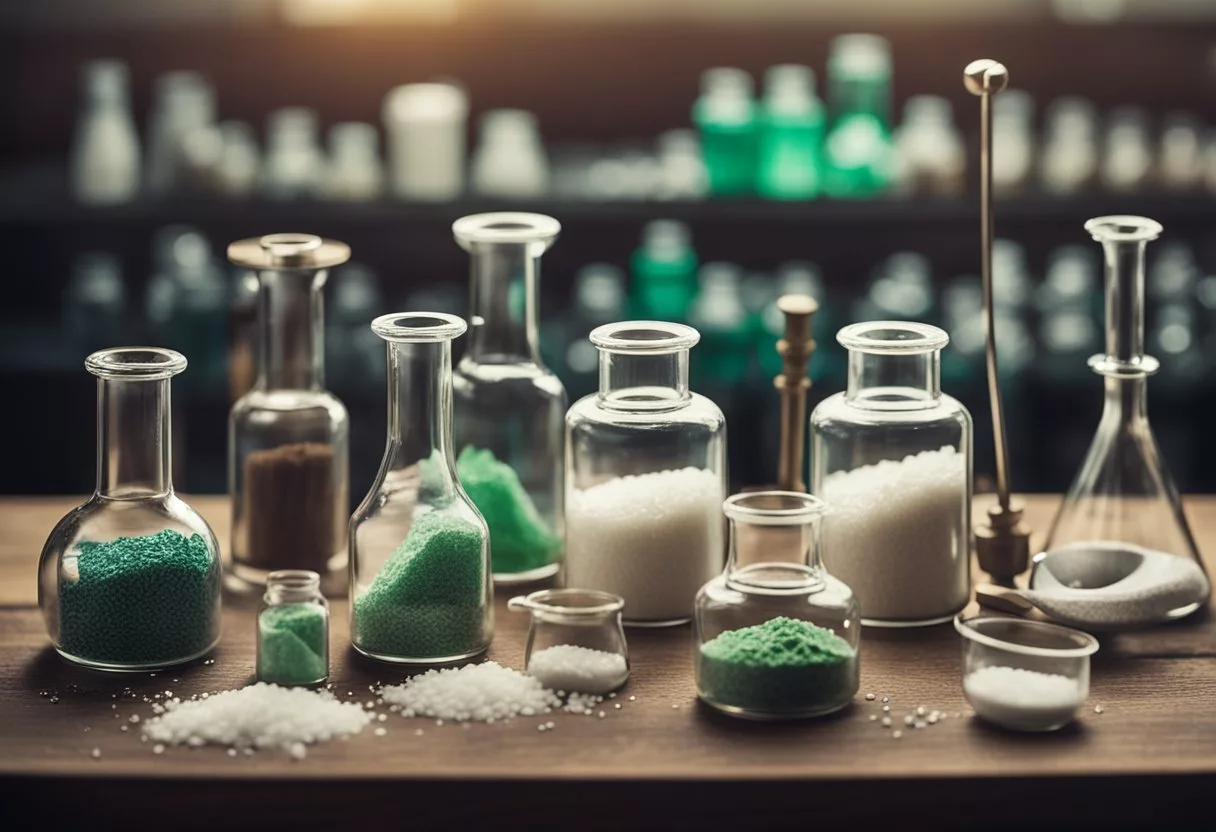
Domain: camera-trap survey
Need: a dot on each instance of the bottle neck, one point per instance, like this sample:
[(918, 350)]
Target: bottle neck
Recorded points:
[(894, 381), (644, 381), (1125, 402), (771, 559), (505, 280), (1124, 300), (291, 310), (133, 438), (420, 413)]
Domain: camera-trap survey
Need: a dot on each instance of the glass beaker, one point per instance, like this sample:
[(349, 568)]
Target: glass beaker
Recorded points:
[(130, 580), (1123, 493), (293, 629), (420, 587), (288, 436), (576, 642), (509, 407), (645, 476), (892, 457), (777, 637)]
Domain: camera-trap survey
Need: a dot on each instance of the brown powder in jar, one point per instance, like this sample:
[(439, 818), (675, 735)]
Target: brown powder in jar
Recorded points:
[(290, 513)]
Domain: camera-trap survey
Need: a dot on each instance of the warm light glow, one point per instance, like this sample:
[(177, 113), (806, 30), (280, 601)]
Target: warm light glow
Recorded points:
[(323, 12)]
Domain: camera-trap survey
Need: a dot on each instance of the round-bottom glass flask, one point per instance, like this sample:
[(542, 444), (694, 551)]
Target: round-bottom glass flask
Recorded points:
[(130, 580), (777, 637), (891, 456)]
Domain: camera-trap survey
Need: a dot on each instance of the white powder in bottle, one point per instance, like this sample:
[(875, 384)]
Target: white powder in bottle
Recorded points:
[(653, 539), (1024, 700), (570, 667), (897, 532)]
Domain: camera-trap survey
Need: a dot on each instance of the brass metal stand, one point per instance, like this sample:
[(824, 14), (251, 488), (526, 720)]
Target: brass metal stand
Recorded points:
[(795, 348)]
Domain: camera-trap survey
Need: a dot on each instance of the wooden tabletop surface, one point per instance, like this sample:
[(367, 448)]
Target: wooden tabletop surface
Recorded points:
[(660, 759)]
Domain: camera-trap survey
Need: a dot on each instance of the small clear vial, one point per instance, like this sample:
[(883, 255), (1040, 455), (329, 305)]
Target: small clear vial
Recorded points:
[(293, 629)]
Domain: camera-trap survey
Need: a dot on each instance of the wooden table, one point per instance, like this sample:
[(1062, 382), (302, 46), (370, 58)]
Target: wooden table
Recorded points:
[(660, 761)]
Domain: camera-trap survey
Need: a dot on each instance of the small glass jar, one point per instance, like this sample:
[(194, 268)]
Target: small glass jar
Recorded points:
[(508, 405), (576, 643), (420, 588), (777, 637), (891, 456), (1025, 675), (130, 580), (645, 476), (293, 629), (288, 436)]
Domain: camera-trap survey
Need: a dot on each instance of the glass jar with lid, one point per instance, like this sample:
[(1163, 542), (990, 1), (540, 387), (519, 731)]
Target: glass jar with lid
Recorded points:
[(645, 476), (508, 406), (891, 456), (293, 629), (130, 580), (777, 637)]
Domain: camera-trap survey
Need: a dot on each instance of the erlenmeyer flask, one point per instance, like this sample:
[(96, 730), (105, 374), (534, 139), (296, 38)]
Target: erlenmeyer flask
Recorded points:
[(1124, 499)]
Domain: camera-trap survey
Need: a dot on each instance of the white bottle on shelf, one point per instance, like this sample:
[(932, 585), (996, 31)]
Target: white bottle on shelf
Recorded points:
[(355, 172), (929, 151), (1070, 151), (105, 152), (1128, 157), (424, 140), (236, 173), (510, 157), (294, 163), (1013, 142), (184, 104)]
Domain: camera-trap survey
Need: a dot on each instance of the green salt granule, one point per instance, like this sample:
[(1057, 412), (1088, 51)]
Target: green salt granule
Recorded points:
[(520, 540), (140, 600), (428, 600), (780, 665), (292, 644)]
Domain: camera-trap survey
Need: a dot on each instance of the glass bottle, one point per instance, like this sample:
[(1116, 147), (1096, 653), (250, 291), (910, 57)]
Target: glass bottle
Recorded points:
[(105, 149), (130, 580), (645, 476), (420, 588), (725, 115), (777, 637), (891, 455), (288, 436), (857, 149), (791, 135), (293, 629), (1124, 497), (575, 642), (664, 271), (509, 407)]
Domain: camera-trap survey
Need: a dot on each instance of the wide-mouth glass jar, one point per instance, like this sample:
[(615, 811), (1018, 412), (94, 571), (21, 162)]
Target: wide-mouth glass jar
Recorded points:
[(576, 642), (293, 629), (645, 476), (891, 455), (777, 637)]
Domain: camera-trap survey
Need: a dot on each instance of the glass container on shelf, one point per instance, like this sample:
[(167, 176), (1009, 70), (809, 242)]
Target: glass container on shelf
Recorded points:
[(576, 642), (1013, 140), (288, 437), (664, 271), (1127, 161), (1124, 499), (1069, 155), (857, 150), (777, 637), (294, 164), (509, 407), (892, 457), (293, 629), (791, 133), (510, 160), (725, 116), (105, 149), (130, 580), (645, 476), (929, 152), (355, 172), (421, 590)]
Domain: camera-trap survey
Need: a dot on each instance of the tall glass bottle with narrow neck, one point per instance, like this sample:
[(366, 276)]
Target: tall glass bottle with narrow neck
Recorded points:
[(130, 580), (1124, 497), (509, 407), (420, 589), (288, 436), (891, 455), (645, 476)]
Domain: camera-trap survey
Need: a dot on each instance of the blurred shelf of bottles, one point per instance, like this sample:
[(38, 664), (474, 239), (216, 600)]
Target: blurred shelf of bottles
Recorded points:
[(783, 144)]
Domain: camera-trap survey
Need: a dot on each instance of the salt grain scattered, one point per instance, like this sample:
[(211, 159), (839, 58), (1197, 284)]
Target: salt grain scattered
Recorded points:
[(479, 692)]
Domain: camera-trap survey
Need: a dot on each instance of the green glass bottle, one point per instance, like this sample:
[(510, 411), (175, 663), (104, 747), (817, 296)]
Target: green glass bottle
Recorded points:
[(724, 355), (725, 115), (664, 273), (858, 149), (791, 134)]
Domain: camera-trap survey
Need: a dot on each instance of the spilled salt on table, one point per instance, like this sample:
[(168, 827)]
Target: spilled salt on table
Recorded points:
[(483, 692)]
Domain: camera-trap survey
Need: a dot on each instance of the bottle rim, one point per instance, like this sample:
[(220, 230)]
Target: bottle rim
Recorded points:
[(136, 363), (774, 508), (505, 227), (644, 337), (419, 327), (569, 602), (892, 337), (1123, 228)]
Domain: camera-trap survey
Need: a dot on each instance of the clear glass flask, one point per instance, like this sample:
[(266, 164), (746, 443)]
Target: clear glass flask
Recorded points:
[(420, 590), (777, 637), (509, 407), (575, 642), (293, 629), (645, 476), (891, 455), (1123, 493), (130, 580), (288, 436)]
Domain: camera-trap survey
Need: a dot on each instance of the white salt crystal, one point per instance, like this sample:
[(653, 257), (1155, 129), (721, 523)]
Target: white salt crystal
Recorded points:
[(478, 692), (261, 715), (1024, 700), (575, 668), (653, 539)]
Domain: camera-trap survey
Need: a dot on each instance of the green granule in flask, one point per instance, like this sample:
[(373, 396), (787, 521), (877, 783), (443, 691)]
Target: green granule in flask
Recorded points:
[(520, 540), (780, 665), (428, 600), (291, 645), (139, 600)]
